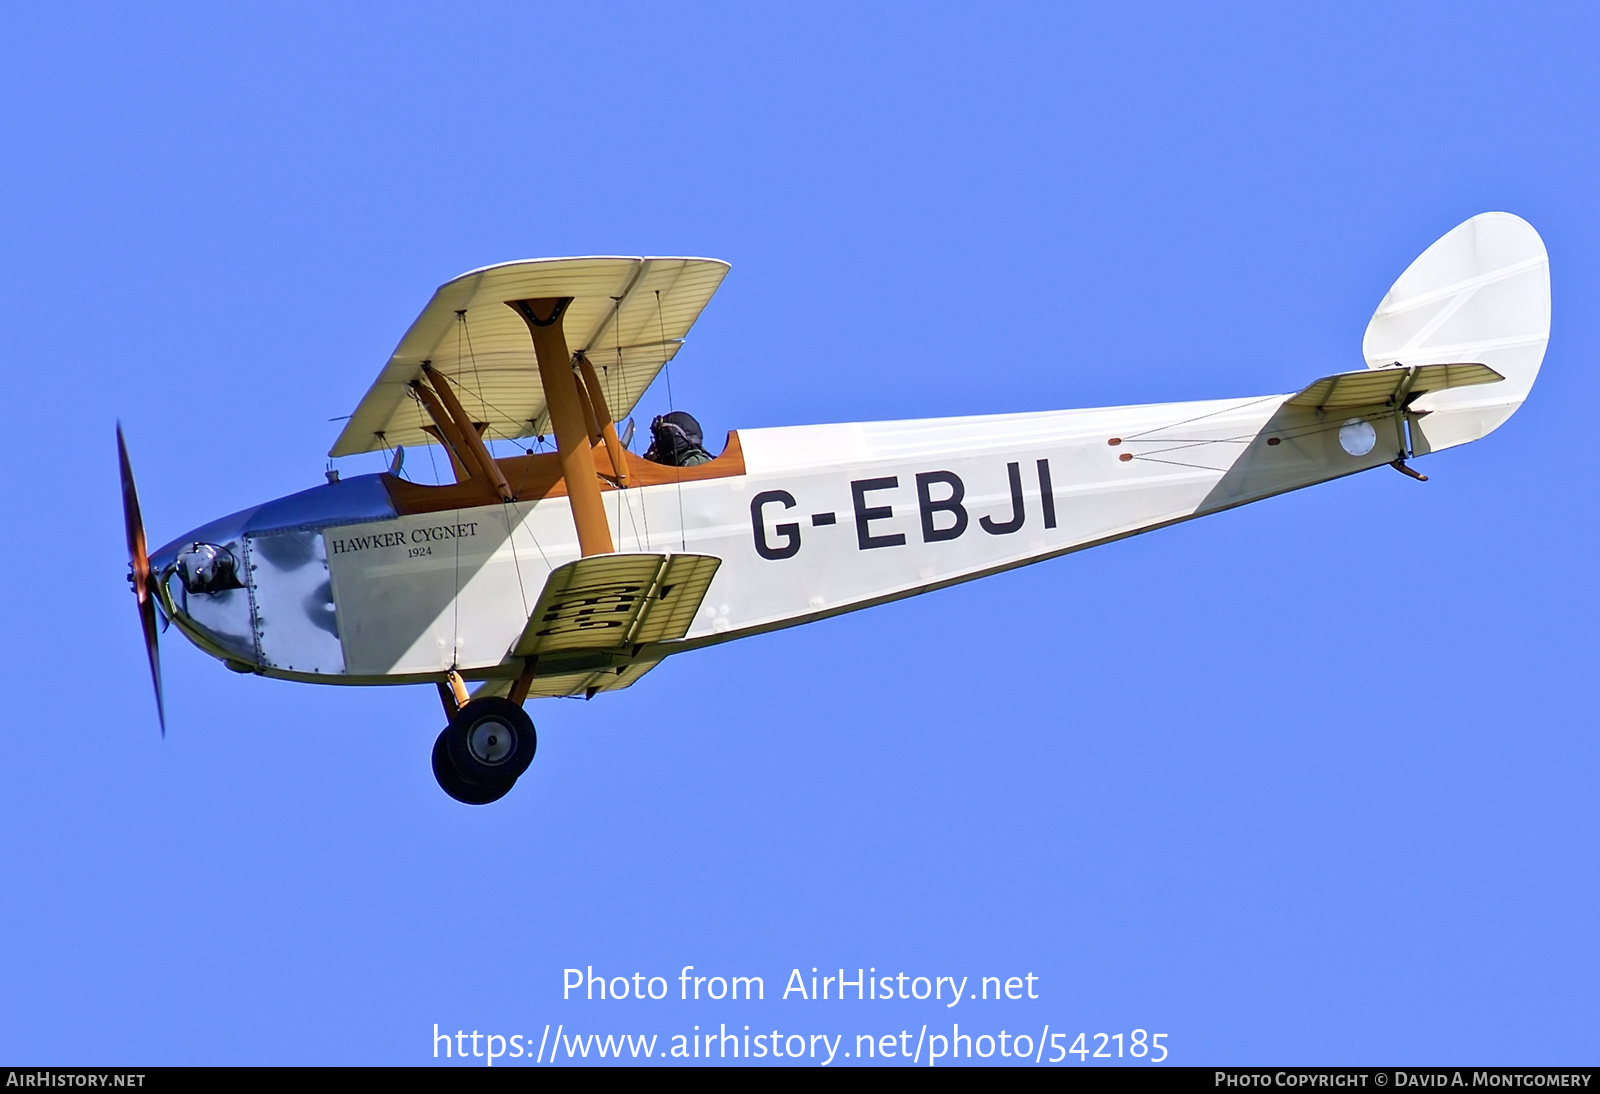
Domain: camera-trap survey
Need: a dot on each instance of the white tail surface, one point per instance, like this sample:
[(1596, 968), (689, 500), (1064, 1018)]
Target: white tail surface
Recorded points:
[(1481, 293)]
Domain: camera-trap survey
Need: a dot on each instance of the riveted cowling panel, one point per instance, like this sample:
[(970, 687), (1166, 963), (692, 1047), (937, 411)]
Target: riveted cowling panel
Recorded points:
[(296, 623)]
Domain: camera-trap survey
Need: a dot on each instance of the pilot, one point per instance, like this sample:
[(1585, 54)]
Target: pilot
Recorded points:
[(676, 441)]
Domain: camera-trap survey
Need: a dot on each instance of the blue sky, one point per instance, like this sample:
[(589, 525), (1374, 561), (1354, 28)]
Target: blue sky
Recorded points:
[(1308, 782)]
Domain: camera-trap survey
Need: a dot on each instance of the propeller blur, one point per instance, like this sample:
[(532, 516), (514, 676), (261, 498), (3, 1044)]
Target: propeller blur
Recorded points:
[(139, 573)]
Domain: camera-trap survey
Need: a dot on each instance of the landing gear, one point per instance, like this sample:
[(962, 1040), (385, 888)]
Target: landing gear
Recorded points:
[(488, 744), (451, 782)]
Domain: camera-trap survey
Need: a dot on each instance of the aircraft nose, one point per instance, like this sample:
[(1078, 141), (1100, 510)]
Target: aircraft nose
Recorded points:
[(201, 587)]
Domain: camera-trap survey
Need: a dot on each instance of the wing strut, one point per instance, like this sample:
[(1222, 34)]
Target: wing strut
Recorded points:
[(602, 413), (566, 410), (444, 430), (468, 432)]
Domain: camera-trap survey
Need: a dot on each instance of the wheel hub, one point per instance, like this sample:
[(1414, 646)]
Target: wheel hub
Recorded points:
[(491, 741)]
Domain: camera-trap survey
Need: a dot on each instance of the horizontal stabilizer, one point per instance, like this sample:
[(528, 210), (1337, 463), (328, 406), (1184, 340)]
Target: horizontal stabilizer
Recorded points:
[(611, 602), (1390, 386)]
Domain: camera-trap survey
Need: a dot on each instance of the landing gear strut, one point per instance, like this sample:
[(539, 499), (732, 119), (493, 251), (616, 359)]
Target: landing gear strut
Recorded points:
[(488, 744)]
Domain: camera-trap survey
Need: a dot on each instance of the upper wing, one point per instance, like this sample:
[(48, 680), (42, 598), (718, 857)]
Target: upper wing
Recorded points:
[(629, 315)]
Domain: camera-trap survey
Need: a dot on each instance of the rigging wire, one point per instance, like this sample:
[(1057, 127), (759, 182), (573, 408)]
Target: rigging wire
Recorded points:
[(1176, 463), (422, 425), (1201, 417), (1183, 444), (477, 380), (644, 504), (609, 383), (666, 366), (609, 386), (506, 507), (455, 638), (383, 442), (1178, 444)]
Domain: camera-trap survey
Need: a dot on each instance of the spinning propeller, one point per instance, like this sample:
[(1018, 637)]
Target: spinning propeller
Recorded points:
[(139, 573)]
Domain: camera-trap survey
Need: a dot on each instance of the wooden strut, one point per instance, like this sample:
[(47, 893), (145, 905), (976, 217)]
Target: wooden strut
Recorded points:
[(469, 433), (565, 408), (590, 422), (453, 694), (458, 687), (524, 682), (457, 468), (608, 424), (444, 428)]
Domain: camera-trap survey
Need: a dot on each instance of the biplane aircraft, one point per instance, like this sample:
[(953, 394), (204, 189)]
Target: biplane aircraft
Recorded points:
[(574, 571)]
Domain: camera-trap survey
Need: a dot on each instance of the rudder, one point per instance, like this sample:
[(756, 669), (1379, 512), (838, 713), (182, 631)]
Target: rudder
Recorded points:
[(1480, 293)]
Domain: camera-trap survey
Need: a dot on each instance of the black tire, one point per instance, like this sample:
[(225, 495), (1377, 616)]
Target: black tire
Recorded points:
[(491, 741), (451, 782)]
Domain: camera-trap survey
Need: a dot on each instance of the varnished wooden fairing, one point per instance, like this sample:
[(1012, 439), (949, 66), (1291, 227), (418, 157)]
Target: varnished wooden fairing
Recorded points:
[(565, 405), (535, 477)]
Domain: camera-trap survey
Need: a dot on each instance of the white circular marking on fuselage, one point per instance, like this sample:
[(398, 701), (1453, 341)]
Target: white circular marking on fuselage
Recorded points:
[(1357, 436)]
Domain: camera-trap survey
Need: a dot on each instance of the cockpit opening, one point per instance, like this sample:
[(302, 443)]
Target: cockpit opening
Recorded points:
[(677, 441)]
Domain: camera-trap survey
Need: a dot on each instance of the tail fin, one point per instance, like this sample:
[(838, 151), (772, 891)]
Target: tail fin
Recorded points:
[(1481, 293)]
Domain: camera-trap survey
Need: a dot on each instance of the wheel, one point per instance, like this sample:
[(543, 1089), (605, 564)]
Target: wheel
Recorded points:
[(491, 741), (451, 782)]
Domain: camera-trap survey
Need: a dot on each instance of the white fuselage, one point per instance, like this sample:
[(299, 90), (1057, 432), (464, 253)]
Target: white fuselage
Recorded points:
[(826, 519)]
